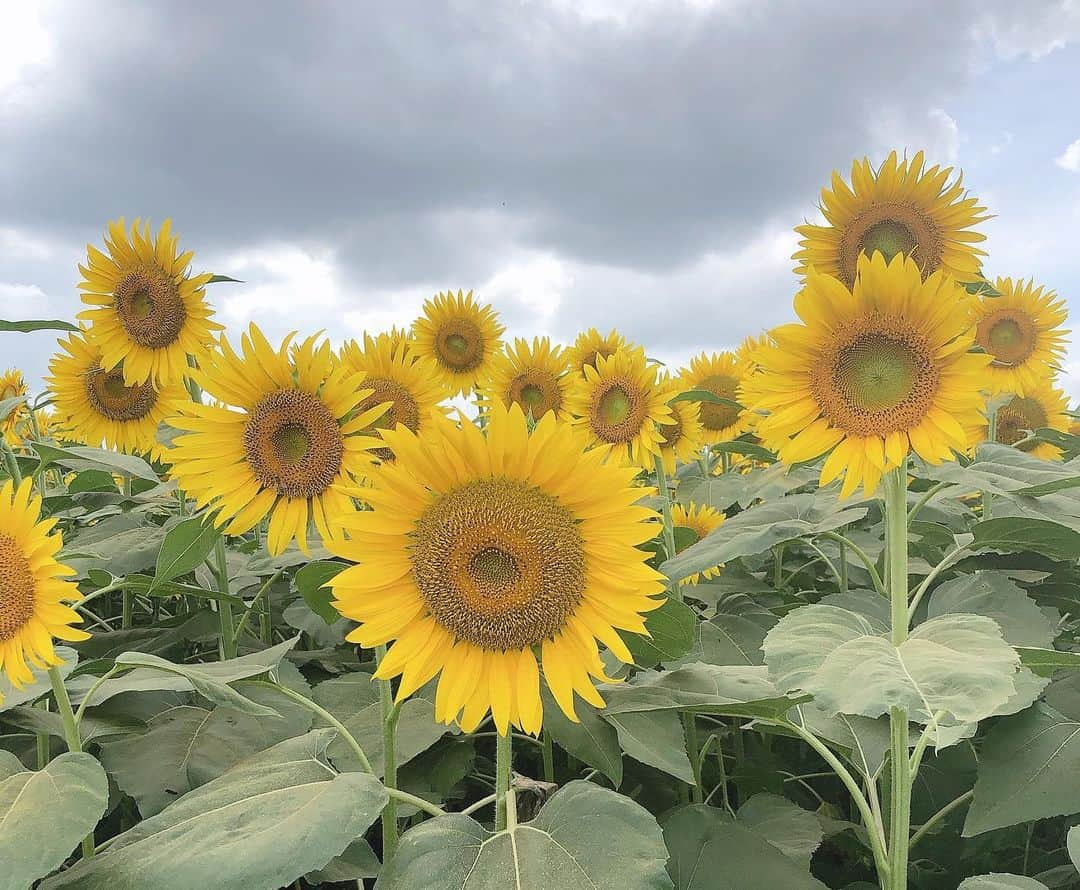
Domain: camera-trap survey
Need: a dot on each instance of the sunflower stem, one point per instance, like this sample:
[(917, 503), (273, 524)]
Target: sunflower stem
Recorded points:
[(128, 602), (504, 755), (11, 463), (991, 436), (225, 612), (71, 735), (843, 567), (549, 757), (896, 533), (669, 526), (388, 714)]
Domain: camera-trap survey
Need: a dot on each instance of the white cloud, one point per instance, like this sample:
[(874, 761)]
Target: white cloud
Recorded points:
[(23, 41), (1070, 158)]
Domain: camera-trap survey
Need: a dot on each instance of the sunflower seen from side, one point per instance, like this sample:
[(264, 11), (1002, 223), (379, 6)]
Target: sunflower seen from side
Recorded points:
[(148, 312), (531, 375), (902, 207), (12, 385), (34, 596), (1042, 406), (591, 344), (488, 556), (461, 336), (1022, 332), (621, 403), (719, 374), (871, 373), (96, 407), (702, 520), (285, 439)]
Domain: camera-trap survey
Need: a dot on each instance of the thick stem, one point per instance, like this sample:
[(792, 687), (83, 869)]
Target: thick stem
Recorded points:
[(128, 609), (71, 735), (778, 566), (503, 756), (388, 714), (843, 567), (549, 757), (669, 526), (225, 612)]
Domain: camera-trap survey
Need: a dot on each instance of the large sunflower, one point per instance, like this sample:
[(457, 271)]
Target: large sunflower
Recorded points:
[(460, 336), (1041, 407), (871, 373), (898, 208), (532, 376), (591, 344), (149, 312), (702, 520), (12, 385), (394, 375), (719, 374), (289, 447), (1021, 330), (482, 555), (682, 440), (621, 403), (32, 590), (96, 406)]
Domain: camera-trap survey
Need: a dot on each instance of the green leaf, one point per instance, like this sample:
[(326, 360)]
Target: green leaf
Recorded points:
[(8, 406), (1011, 534), (1044, 662), (28, 327), (1074, 846), (584, 837), (310, 581), (1001, 882), (11, 695), (795, 832), (761, 528), (992, 594), (725, 639), (748, 449), (672, 628), (1037, 491), (867, 739), (91, 728), (1029, 768), (711, 851), (357, 862), (981, 288), (217, 279), (655, 738), (703, 395), (82, 457), (956, 663), (186, 547), (266, 822), (44, 815), (591, 739)]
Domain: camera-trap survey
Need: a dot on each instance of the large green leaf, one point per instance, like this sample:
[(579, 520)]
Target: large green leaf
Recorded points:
[(992, 594), (310, 581), (795, 832), (655, 738), (711, 851), (1001, 882), (266, 822), (1013, 533), (1029, 768), (83, 457), (867, 740), (11, 695), (44, 815), (671, 629), (27, 327), (958, 664), (725, 639), (590, 739), (760, 528), (1074, 845), (1045, 661), (585, 838), (742, 488), (186, 546)]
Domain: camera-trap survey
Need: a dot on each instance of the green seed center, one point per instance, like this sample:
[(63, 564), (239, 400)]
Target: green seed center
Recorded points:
[(291, 442), (890, 237)]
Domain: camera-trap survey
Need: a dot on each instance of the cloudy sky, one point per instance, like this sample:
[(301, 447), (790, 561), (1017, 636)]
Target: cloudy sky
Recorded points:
[(637, 163)]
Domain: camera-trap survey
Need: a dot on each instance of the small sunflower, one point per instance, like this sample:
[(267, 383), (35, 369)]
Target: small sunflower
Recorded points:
[(149, 313), (746, 352), (621, 403), (32, 592), (96, 406), (290, 449), (719, 374), (682, 440), (393, 375), (1041, 407), (591, 344), (483, 555), (12, 385), (701, 520), (460, 336), (871, 373), (1021, 330), (532, 376), (898, 208)]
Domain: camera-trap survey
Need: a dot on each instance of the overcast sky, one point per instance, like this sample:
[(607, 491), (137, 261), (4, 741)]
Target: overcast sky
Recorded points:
[(637, 163)]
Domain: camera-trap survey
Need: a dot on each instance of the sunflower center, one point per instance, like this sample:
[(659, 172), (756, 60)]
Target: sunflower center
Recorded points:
[(537, 392), (16, 589), (890, 227), (459, 345), (618, 411), (499, 563), (150, 308), (671, 433), (293, 444), (877, 376), (1017, 418), (714, 416), (1008, 335), (110, 397), (403, 408)]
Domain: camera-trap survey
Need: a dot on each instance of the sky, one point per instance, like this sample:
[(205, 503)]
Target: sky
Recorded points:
[(637, 164)]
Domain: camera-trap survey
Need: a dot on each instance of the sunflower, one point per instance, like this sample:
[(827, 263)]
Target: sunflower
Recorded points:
[(291, 447), (1041, 407), (1021, 330), (871, 373), (12, 385), (532, 376), (719, 374), (591, 344), (96, 406), (482, 555), (898, 208), (32, 592), (460, 336), (701, 520), (149, 313), (682, 440), (621, 403), (393, 375), (746, 352)]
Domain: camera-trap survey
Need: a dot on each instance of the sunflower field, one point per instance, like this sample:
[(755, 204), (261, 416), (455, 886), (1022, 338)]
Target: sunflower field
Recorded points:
[(438, 609)]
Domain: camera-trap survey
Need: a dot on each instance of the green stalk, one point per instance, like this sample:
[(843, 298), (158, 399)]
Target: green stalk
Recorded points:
[(896, 533), (669, 526), (128, 610), (991, 436), (71, 735), (549, 757), (504, 755), (224, 608), (388, 715), (694, 750), (42, 739)]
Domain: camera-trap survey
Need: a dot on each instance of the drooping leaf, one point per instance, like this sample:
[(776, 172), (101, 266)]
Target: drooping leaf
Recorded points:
[(795, 832), (672, 635), (725, 639), (28, 327), (655, 738), (83, 457), (309, 583), (591, 739), (186, 546)]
